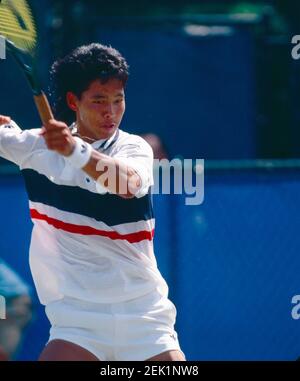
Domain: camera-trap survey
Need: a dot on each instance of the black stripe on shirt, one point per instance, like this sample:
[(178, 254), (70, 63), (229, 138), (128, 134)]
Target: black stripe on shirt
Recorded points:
[(108, 208)]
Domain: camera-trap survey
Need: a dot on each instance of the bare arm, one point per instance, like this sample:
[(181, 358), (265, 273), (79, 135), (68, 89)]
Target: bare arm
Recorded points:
[(113, 174)]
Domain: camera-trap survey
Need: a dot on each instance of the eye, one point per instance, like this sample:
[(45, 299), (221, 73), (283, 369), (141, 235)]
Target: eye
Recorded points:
[(99, 102)]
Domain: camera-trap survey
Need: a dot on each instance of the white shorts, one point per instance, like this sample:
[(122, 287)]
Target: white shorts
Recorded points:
[(134, 330)]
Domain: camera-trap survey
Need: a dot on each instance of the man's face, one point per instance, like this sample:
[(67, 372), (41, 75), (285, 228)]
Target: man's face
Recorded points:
[(100, 109)]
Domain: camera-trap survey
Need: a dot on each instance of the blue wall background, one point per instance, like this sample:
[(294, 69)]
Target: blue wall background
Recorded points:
[(232, 264), (196, 92)]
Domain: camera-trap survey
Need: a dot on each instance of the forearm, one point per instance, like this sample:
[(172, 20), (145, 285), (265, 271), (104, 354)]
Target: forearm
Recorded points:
[(113, 174)]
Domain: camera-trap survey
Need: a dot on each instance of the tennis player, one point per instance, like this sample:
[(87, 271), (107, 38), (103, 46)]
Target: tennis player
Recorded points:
[(91, 251)]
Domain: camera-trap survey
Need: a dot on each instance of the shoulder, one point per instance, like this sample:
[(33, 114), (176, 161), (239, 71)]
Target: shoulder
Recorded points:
[(132, 141)]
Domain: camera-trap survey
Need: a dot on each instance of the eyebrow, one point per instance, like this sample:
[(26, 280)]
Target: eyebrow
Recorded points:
[(100, 96)]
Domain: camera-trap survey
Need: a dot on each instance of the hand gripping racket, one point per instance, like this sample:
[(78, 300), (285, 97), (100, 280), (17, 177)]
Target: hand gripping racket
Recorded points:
[(18, 28)]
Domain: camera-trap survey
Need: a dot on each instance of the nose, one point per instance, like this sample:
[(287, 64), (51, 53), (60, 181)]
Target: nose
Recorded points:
[(108, 112)]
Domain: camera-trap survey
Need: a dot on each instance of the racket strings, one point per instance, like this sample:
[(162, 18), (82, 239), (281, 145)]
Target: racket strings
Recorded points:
[(17, 25)]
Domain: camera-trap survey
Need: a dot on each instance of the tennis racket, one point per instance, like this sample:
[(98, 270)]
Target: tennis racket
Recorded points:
[(18, 28)]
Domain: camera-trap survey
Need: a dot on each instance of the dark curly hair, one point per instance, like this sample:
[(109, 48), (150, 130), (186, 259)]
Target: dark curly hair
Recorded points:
[(76, 71)]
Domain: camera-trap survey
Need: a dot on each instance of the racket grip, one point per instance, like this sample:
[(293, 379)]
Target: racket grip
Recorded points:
[(43, 107)]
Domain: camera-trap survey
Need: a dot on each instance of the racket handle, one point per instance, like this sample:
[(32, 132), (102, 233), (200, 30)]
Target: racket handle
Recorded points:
[(43, 107)]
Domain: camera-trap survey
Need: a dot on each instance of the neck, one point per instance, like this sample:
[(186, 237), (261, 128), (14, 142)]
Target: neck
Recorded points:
[(86, 135)]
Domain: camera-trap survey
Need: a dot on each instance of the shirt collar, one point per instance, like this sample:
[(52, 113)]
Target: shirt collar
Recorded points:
[(101, 144)]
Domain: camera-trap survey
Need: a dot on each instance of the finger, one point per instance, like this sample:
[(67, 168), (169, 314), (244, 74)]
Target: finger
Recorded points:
[(56, 146), (54, 134), (54, 124), (55, 131), (52, 142)]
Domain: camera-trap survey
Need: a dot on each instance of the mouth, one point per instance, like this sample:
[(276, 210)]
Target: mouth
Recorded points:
[(109, 126)]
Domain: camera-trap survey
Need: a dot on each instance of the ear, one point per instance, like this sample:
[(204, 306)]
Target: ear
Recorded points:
[(72, 101)]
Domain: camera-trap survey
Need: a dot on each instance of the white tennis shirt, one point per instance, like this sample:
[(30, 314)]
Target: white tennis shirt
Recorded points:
[(86, 243)]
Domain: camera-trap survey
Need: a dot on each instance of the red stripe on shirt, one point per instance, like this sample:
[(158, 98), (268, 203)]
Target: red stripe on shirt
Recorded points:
[(87, 230)]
